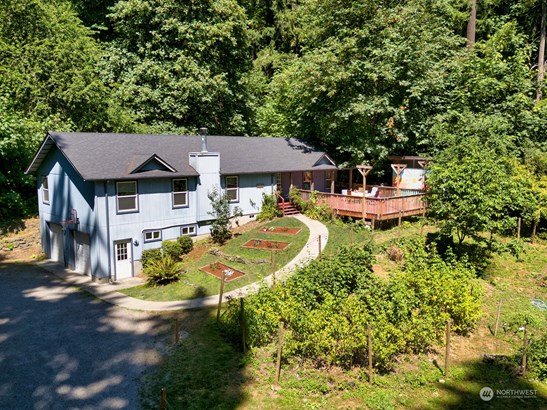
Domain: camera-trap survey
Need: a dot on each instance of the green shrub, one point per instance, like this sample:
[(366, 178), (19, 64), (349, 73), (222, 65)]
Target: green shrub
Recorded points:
[(328, 304), (186, 244), (163, 271), (269, 208), (221, 229), (150, 255), (296, 200), (173, 249), (537, 358)]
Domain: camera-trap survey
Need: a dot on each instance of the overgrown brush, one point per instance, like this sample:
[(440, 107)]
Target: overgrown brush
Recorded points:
[(328, 304)]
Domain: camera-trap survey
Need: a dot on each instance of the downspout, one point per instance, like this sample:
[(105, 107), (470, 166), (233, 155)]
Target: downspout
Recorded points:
[(108, 232)]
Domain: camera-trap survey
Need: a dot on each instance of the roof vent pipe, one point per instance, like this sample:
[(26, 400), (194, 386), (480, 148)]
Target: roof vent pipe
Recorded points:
[(203, 132)]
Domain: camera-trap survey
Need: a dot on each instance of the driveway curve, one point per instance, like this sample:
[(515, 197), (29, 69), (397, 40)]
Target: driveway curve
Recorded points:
[(61, 348)]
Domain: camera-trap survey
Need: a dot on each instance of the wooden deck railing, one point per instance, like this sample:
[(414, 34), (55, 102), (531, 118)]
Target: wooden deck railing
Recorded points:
[(373, 208)]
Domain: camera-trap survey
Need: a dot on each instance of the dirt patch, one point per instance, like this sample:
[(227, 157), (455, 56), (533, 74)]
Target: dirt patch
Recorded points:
[(281, 230), (217, 268), (265, 245), (23, 244), (200, 248)]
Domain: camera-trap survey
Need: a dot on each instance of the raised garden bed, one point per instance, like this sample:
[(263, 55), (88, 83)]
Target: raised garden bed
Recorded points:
[(265, 245), (216, 269), (282, 230)]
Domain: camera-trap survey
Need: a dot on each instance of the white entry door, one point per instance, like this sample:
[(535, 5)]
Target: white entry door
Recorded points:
[(124, 259)]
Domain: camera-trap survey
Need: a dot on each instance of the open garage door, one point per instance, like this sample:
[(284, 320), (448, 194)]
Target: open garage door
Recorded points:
[(56, 243), (82, 253)]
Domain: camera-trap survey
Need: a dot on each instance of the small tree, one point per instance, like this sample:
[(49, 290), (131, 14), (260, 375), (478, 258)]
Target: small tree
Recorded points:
[(221, 230), (470, 190)]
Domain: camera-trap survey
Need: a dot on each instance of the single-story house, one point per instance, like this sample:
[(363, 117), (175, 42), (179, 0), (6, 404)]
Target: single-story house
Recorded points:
[(104, 198)]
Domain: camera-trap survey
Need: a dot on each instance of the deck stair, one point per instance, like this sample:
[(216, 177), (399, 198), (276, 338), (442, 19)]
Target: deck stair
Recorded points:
[(287, 208)]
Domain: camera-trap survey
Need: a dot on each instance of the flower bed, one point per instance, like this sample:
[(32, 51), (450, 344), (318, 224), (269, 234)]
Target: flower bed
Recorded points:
[(282, 230), (216, 269), (265, 245)]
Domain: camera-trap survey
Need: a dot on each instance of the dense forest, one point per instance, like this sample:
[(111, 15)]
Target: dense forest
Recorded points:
[(361, 79)]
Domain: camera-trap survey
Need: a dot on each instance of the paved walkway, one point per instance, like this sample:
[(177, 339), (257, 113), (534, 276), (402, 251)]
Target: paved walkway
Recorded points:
[(109, 292)]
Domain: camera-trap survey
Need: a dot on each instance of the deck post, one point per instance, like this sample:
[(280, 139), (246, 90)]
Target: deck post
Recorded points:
[(350, 179), (364, 170), (398, 168)]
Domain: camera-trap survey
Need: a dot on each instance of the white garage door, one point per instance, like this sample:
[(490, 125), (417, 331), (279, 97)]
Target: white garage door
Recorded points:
[(56, 248), (81, 252)]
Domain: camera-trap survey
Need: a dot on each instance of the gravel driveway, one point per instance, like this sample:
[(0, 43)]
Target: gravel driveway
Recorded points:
[(63, 349)]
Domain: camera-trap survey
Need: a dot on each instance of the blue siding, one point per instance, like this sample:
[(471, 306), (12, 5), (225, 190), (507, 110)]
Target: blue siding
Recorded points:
[(67, 191)]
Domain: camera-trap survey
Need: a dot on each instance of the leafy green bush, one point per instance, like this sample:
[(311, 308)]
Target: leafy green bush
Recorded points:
[(221, 229), (296, 200), (269, 208), (173, 249), (163, 271), (537, 358), (328, 304), (186, 244), (150, 255)]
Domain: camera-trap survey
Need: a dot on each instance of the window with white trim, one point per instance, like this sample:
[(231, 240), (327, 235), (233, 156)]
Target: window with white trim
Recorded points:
[(180, 192), (329, 176), (152, 236), (232, 188), (278, 186), (45, 191), (189, 230), (126, 192)]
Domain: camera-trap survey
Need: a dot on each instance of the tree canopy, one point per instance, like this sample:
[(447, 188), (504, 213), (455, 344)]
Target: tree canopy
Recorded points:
[(361, 79)]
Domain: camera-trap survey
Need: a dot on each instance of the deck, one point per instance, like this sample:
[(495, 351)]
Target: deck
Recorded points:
[(388, 206)]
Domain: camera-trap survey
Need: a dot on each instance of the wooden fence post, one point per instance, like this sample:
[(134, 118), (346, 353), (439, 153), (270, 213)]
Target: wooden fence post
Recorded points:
[(518, 227), (243, 325), (497, 319), (220, 295), (177, 333), (369, 343), (163, 399), (273, 267), (447, 354), (524, 343), (279, 352)]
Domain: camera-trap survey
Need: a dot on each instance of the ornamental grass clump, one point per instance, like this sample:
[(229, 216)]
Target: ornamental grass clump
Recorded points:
[(163, 271)]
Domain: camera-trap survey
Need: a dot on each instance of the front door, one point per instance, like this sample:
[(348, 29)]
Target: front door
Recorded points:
[(124, 259)]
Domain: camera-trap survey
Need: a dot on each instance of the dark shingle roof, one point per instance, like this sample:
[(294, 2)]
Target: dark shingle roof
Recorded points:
[(99, 156)]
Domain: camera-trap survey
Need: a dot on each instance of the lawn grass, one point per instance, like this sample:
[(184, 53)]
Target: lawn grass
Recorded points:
[(197, 283), (227, 378)]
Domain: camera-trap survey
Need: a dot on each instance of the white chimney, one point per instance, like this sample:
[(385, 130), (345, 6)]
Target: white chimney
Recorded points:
[(203, 132)]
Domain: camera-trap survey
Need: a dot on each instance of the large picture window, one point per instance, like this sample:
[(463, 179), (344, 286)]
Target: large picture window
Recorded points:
[(232, 188), (180, 192), (45, 191), (127, 196)]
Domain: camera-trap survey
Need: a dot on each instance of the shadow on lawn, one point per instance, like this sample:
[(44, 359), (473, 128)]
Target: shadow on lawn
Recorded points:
[(203, 371), (463, 392)]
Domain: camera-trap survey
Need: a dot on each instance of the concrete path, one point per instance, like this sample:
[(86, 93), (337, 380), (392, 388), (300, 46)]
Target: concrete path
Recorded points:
[(109, 292)]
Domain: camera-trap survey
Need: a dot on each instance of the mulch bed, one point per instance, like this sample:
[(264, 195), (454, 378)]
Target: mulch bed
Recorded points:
[(216, 269), (282, 230), (265, 245)]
